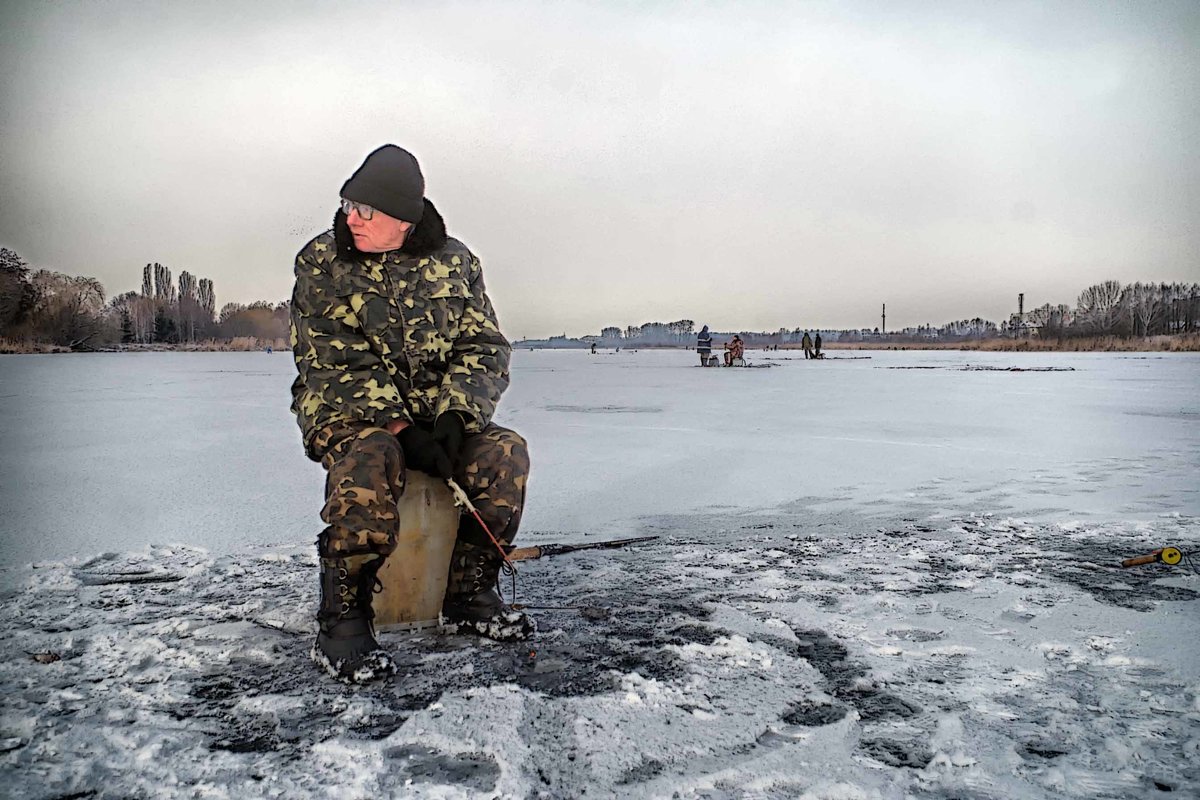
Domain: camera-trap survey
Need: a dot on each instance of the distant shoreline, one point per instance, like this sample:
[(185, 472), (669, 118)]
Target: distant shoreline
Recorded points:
[(240, 345), (1184, 343)]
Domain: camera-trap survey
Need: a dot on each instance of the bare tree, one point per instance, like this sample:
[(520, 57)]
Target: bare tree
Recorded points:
[(1142, 302), (207, 298), (136, 313), (164, 290), (1099, 306), (1181, 307), (189, 306)]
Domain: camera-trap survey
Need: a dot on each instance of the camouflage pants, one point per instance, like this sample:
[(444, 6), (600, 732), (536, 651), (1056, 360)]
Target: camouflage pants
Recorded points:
[(366, 478)]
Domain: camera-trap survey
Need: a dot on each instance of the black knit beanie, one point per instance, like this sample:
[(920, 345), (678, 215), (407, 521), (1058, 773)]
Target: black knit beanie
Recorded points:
[(391, 181)]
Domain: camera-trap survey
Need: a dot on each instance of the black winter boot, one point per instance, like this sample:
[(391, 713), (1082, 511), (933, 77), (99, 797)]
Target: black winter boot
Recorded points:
[(472, 603), (346, 647)]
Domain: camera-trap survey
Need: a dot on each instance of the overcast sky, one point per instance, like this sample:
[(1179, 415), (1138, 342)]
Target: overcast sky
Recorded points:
[(749, 166)]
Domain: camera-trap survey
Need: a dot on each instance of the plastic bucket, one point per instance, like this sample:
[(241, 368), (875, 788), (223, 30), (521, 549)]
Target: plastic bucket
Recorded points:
[(414, 575)]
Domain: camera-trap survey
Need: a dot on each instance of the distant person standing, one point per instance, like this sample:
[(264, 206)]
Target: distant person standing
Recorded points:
[(807, 343), (817, 346), (704, 345)]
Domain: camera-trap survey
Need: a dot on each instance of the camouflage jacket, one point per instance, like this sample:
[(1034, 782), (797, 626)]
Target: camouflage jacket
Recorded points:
[(393, 336)]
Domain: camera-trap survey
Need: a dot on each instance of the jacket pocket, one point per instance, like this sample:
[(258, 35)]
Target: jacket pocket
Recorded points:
[(447, 302), (375, 311)]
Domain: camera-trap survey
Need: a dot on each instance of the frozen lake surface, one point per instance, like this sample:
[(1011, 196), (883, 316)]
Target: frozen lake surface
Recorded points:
[(119, 451), (876, 577)]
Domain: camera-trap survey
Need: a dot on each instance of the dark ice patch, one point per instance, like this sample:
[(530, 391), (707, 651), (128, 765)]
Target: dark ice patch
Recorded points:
[(1041, 750), (873, 704), (689, 632), (828, 656), (897, 753), (648, 769), (247, 735), (477, 771), (843, 676), (811, 714)]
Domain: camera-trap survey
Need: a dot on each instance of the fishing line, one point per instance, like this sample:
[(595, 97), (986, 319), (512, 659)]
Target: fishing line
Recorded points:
[(507, 568)]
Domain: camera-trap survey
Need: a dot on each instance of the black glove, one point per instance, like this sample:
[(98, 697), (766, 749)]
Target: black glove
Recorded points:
[(422, 452), (450, 430)]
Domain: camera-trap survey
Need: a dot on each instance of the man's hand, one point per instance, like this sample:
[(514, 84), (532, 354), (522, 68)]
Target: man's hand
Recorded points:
[(395, 426), (422, 452), (450, 430)]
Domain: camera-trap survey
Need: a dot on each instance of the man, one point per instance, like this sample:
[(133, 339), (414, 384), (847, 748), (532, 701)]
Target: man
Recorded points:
[(817, 346), (734, 349), (807, 344), (401, 364), (704, 345)]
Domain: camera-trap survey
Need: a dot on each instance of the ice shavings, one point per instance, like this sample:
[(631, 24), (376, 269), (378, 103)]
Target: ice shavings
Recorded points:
[(870, 675)]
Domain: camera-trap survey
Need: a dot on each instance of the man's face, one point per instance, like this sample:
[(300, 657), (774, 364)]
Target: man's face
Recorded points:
[(379, 234)]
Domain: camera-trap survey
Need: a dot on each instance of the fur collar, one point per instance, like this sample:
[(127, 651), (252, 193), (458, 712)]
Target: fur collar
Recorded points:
[(427, 237)]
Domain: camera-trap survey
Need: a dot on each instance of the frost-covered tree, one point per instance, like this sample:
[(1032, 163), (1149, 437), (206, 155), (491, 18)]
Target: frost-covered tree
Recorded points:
[(260, 319), (69, 309), (17, 293)]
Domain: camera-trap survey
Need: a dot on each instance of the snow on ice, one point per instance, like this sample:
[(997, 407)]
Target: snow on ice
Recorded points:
[(869, 584)]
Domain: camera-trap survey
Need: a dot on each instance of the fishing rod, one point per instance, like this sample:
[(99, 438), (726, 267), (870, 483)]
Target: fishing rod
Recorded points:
[(538, 551), (526, 553)]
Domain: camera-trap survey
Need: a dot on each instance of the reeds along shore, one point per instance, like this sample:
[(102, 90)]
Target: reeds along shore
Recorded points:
[(236, 344), (1182, 343)]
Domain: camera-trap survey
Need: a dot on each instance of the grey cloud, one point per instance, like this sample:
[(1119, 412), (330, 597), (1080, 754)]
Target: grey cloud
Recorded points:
[(753, 165)]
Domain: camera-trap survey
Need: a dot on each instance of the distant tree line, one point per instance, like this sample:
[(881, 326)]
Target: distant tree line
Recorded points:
[(52, 308), (71, 311), (1105, 309), (652, 333), (1135, 309)]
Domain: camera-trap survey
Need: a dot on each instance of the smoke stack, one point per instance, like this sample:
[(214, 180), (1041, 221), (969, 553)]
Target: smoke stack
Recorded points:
[(1021, 306)]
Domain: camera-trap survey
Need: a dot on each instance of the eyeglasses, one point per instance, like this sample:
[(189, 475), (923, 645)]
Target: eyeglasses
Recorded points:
[(364, 210)]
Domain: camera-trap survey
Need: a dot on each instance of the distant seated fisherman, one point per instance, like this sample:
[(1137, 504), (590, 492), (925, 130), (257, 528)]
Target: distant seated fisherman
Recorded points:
[(734, 349), (401, 364)]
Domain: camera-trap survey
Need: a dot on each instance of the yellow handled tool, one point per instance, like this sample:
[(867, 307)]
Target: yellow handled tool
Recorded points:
[(1167, 555)]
